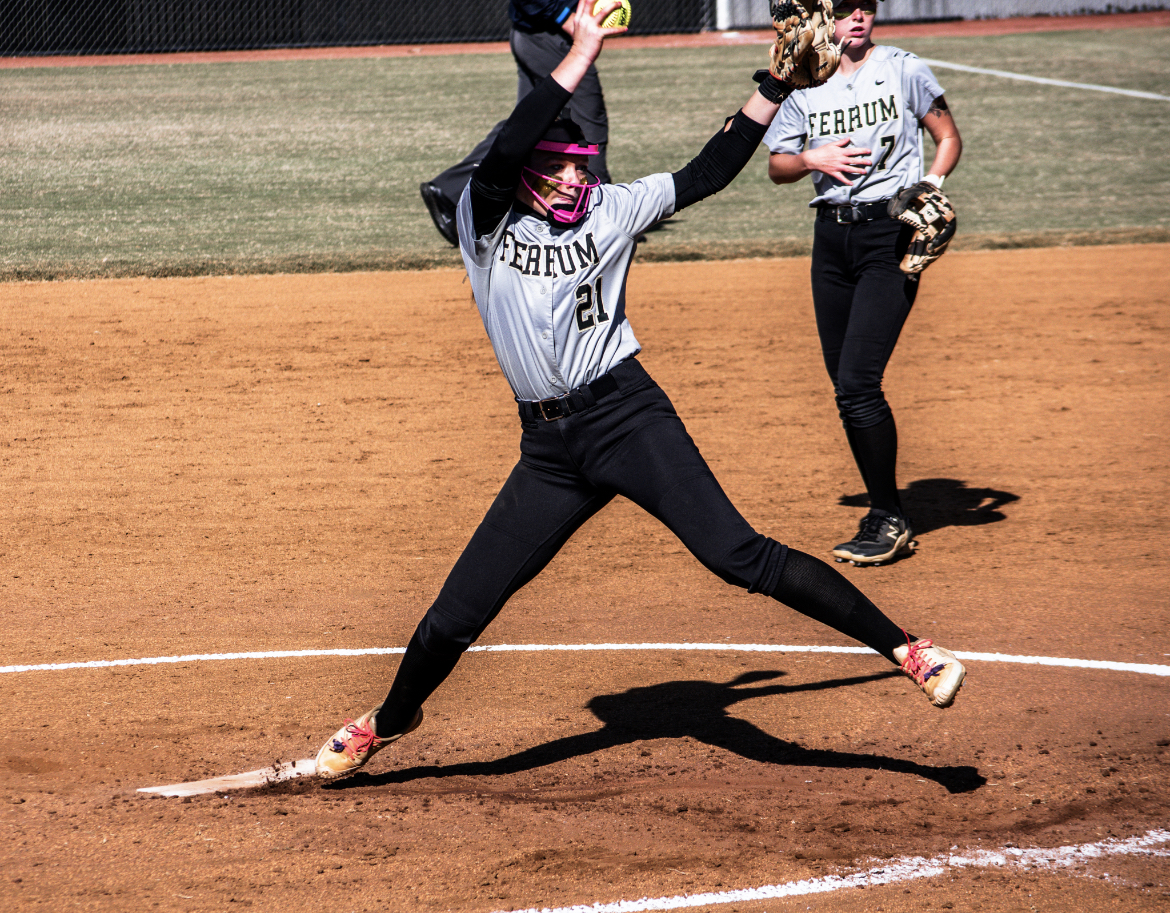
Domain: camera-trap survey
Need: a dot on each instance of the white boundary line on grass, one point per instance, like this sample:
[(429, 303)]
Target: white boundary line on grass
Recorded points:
[(904, 869), (1140, 668), (1004, 74)]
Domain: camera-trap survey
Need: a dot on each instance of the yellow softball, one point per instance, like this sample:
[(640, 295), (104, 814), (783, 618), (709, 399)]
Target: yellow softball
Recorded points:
[(616, 19)]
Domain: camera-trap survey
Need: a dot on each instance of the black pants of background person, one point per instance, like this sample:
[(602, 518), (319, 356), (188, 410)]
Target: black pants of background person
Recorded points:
[(631, 443), (862, 300), (537, 54)]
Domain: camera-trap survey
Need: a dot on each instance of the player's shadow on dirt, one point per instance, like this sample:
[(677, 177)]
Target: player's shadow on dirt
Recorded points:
[(698, 709), (937, 503)]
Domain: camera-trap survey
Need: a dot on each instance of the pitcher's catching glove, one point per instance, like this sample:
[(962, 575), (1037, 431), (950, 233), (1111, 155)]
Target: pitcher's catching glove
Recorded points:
[(928, 211), (804, 54)]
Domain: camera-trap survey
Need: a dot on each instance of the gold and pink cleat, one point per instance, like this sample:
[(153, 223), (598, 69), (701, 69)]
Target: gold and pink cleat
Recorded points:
[(936, 671), (354, 744)]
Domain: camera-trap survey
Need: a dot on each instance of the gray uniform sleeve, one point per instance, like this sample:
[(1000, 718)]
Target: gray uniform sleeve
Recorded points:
[(789, 128), (477, 251), (632, 208), (920, 86)]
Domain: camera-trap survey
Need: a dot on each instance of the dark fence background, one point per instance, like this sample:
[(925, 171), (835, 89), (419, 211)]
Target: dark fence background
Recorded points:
[(46, 27)]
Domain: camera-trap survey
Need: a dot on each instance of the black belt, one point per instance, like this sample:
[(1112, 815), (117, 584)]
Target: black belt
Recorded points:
[(854, 212), (578, 400)]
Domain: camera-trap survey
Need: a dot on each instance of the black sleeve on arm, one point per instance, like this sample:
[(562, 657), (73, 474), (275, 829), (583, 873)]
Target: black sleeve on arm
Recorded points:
[(493, 186), (721, 160)]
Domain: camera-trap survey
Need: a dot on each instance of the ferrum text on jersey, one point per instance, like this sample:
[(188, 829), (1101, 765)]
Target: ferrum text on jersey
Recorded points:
[(845, 120), (550, 260)]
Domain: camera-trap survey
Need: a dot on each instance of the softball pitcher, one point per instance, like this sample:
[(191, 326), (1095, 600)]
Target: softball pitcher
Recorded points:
[(548, 248)]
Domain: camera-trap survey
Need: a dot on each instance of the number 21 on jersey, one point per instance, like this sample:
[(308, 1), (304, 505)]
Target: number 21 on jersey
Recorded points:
[(590, 306)]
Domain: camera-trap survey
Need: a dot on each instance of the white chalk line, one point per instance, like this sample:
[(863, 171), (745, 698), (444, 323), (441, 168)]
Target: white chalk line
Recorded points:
[(892, 872), (1004, 74), (1140, 668)]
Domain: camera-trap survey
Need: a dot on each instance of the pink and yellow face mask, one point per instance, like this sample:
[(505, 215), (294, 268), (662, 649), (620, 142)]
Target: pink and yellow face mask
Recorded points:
[(564, 198)]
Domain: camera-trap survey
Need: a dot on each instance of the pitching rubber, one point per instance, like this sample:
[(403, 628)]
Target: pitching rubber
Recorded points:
[(285, 770)]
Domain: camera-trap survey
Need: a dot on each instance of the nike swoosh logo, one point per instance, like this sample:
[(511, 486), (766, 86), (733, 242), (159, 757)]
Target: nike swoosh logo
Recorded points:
[(878, 82)]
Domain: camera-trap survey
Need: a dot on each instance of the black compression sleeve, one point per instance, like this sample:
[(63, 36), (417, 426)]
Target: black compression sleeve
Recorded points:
[(721, 160), (493, 186)]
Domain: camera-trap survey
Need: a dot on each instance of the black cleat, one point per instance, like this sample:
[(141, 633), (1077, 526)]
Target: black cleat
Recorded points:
[(442, 211), (880, 537)]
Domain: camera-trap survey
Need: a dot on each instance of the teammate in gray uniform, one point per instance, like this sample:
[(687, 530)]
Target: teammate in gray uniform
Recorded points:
[(863, 132), (547, 248)]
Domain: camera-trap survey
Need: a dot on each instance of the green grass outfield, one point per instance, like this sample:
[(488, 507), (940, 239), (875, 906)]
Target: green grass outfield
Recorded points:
[(314, 165)]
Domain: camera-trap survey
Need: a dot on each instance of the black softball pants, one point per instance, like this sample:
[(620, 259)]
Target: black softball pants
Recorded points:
[(862, 299), (630, 443), (537, 54)]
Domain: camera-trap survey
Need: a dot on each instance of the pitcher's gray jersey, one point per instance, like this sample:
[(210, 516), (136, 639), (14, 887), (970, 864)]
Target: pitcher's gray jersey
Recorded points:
[(553, 297), (878, 107)]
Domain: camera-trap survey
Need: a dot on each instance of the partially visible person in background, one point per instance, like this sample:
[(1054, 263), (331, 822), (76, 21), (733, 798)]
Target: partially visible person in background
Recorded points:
[(542, 33)]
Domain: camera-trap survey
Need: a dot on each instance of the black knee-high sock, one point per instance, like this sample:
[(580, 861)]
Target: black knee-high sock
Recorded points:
[(814, 589), (875, 449), (854, 448), (419, 674)]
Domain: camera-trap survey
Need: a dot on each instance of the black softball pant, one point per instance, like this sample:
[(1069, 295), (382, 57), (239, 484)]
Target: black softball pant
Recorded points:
[(630, 443), (861, 299)]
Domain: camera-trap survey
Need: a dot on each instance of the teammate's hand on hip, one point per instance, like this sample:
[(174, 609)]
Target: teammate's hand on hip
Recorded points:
[(838, 159)]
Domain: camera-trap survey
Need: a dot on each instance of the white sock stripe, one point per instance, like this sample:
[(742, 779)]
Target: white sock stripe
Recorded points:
[(892, 872), (1133, 93), (1140, 668)]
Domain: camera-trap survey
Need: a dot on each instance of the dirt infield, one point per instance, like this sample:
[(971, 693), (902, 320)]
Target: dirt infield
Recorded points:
[(223, 465)]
